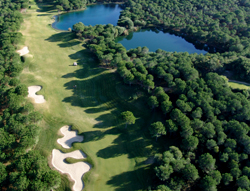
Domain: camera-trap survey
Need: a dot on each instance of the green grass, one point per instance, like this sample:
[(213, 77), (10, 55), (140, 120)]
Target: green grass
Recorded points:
[(238, 85), (117, 155)]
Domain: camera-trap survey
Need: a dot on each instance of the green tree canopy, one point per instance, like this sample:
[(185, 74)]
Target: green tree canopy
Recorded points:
[(128, 117)]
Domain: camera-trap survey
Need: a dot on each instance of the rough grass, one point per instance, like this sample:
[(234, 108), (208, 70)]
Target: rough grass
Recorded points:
[(238, 85), (117, 155)]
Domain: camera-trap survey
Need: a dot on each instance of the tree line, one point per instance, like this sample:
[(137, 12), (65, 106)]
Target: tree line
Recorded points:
[(69, 5), (20, 167)]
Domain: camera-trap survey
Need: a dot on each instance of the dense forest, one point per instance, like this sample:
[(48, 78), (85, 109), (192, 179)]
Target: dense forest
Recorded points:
[(198, 106), (20, 167)]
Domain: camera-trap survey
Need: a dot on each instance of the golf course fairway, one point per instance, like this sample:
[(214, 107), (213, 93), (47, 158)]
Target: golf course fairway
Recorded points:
[(117, 155)]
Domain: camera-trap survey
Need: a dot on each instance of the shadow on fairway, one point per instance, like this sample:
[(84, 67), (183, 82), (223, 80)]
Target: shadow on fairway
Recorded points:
[(45, 7), (101, 92), (39, 15), (66, 39), (124, 181)]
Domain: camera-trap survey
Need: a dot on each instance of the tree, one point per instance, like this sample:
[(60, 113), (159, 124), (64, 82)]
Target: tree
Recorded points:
[(211, 144), (128, 117), (224, 157), (31, 172), (52, 178), (197, 113), (164, 171), (227, 178), (246, 171), (207, 162), (22, 90), (235, 172), (190, 173), (208, 184), (3, 173), (190, 143), (59, 8), (208, 130), (78, 27), (216, 176), (152, 102), (21, 183), (171, 126), (183, 106), (162, 188), (166, 106), (221, 138), (157, 129), (243, 182), (230, 143)]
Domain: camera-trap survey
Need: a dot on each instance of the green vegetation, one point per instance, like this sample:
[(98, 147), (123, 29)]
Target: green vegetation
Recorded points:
[(69, 5), (197, 106), (117, 155), (20, 168), (217, 26), (238, 85), (202, 124)]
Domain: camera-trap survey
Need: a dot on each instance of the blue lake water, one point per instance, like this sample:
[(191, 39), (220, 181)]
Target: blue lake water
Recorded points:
[(92, 15), (109, 14), (155, 39)]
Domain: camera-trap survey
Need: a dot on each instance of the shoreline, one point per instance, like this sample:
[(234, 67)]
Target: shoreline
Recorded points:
[(55, 17)]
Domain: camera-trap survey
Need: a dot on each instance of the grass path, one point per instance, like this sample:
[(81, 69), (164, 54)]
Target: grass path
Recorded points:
[(238, 84), (117, 155)]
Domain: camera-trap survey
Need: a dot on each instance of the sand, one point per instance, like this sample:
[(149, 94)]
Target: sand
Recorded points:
[(69, 137), (23, 51), (75, 170), (32, 93)]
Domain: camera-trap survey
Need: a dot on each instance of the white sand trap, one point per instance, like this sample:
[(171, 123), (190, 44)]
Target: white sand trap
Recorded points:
[(23, 51), (69, 137), (32, 93), (76, 170)]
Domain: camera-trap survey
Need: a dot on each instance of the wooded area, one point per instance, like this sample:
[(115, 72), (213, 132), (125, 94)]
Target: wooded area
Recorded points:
[(211, 119), (196, 103), (20, 169)]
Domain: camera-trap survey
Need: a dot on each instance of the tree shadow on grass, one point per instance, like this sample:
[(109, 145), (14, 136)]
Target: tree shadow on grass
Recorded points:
[(126, 180), (45, 7), (97, 135), (39, 15), (69, 44), (100, 92), (64, 39), (96, 93)]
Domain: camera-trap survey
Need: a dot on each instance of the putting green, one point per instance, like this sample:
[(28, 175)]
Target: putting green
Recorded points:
[(117, 154)]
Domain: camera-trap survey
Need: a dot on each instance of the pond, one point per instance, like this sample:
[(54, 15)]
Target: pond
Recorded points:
[(92, 15), (155, 39), (109, 14)]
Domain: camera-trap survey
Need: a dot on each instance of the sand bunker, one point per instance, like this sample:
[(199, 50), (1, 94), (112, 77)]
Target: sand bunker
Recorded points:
[(76, 170), (23, 51), (32, 93), (69, 137)]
